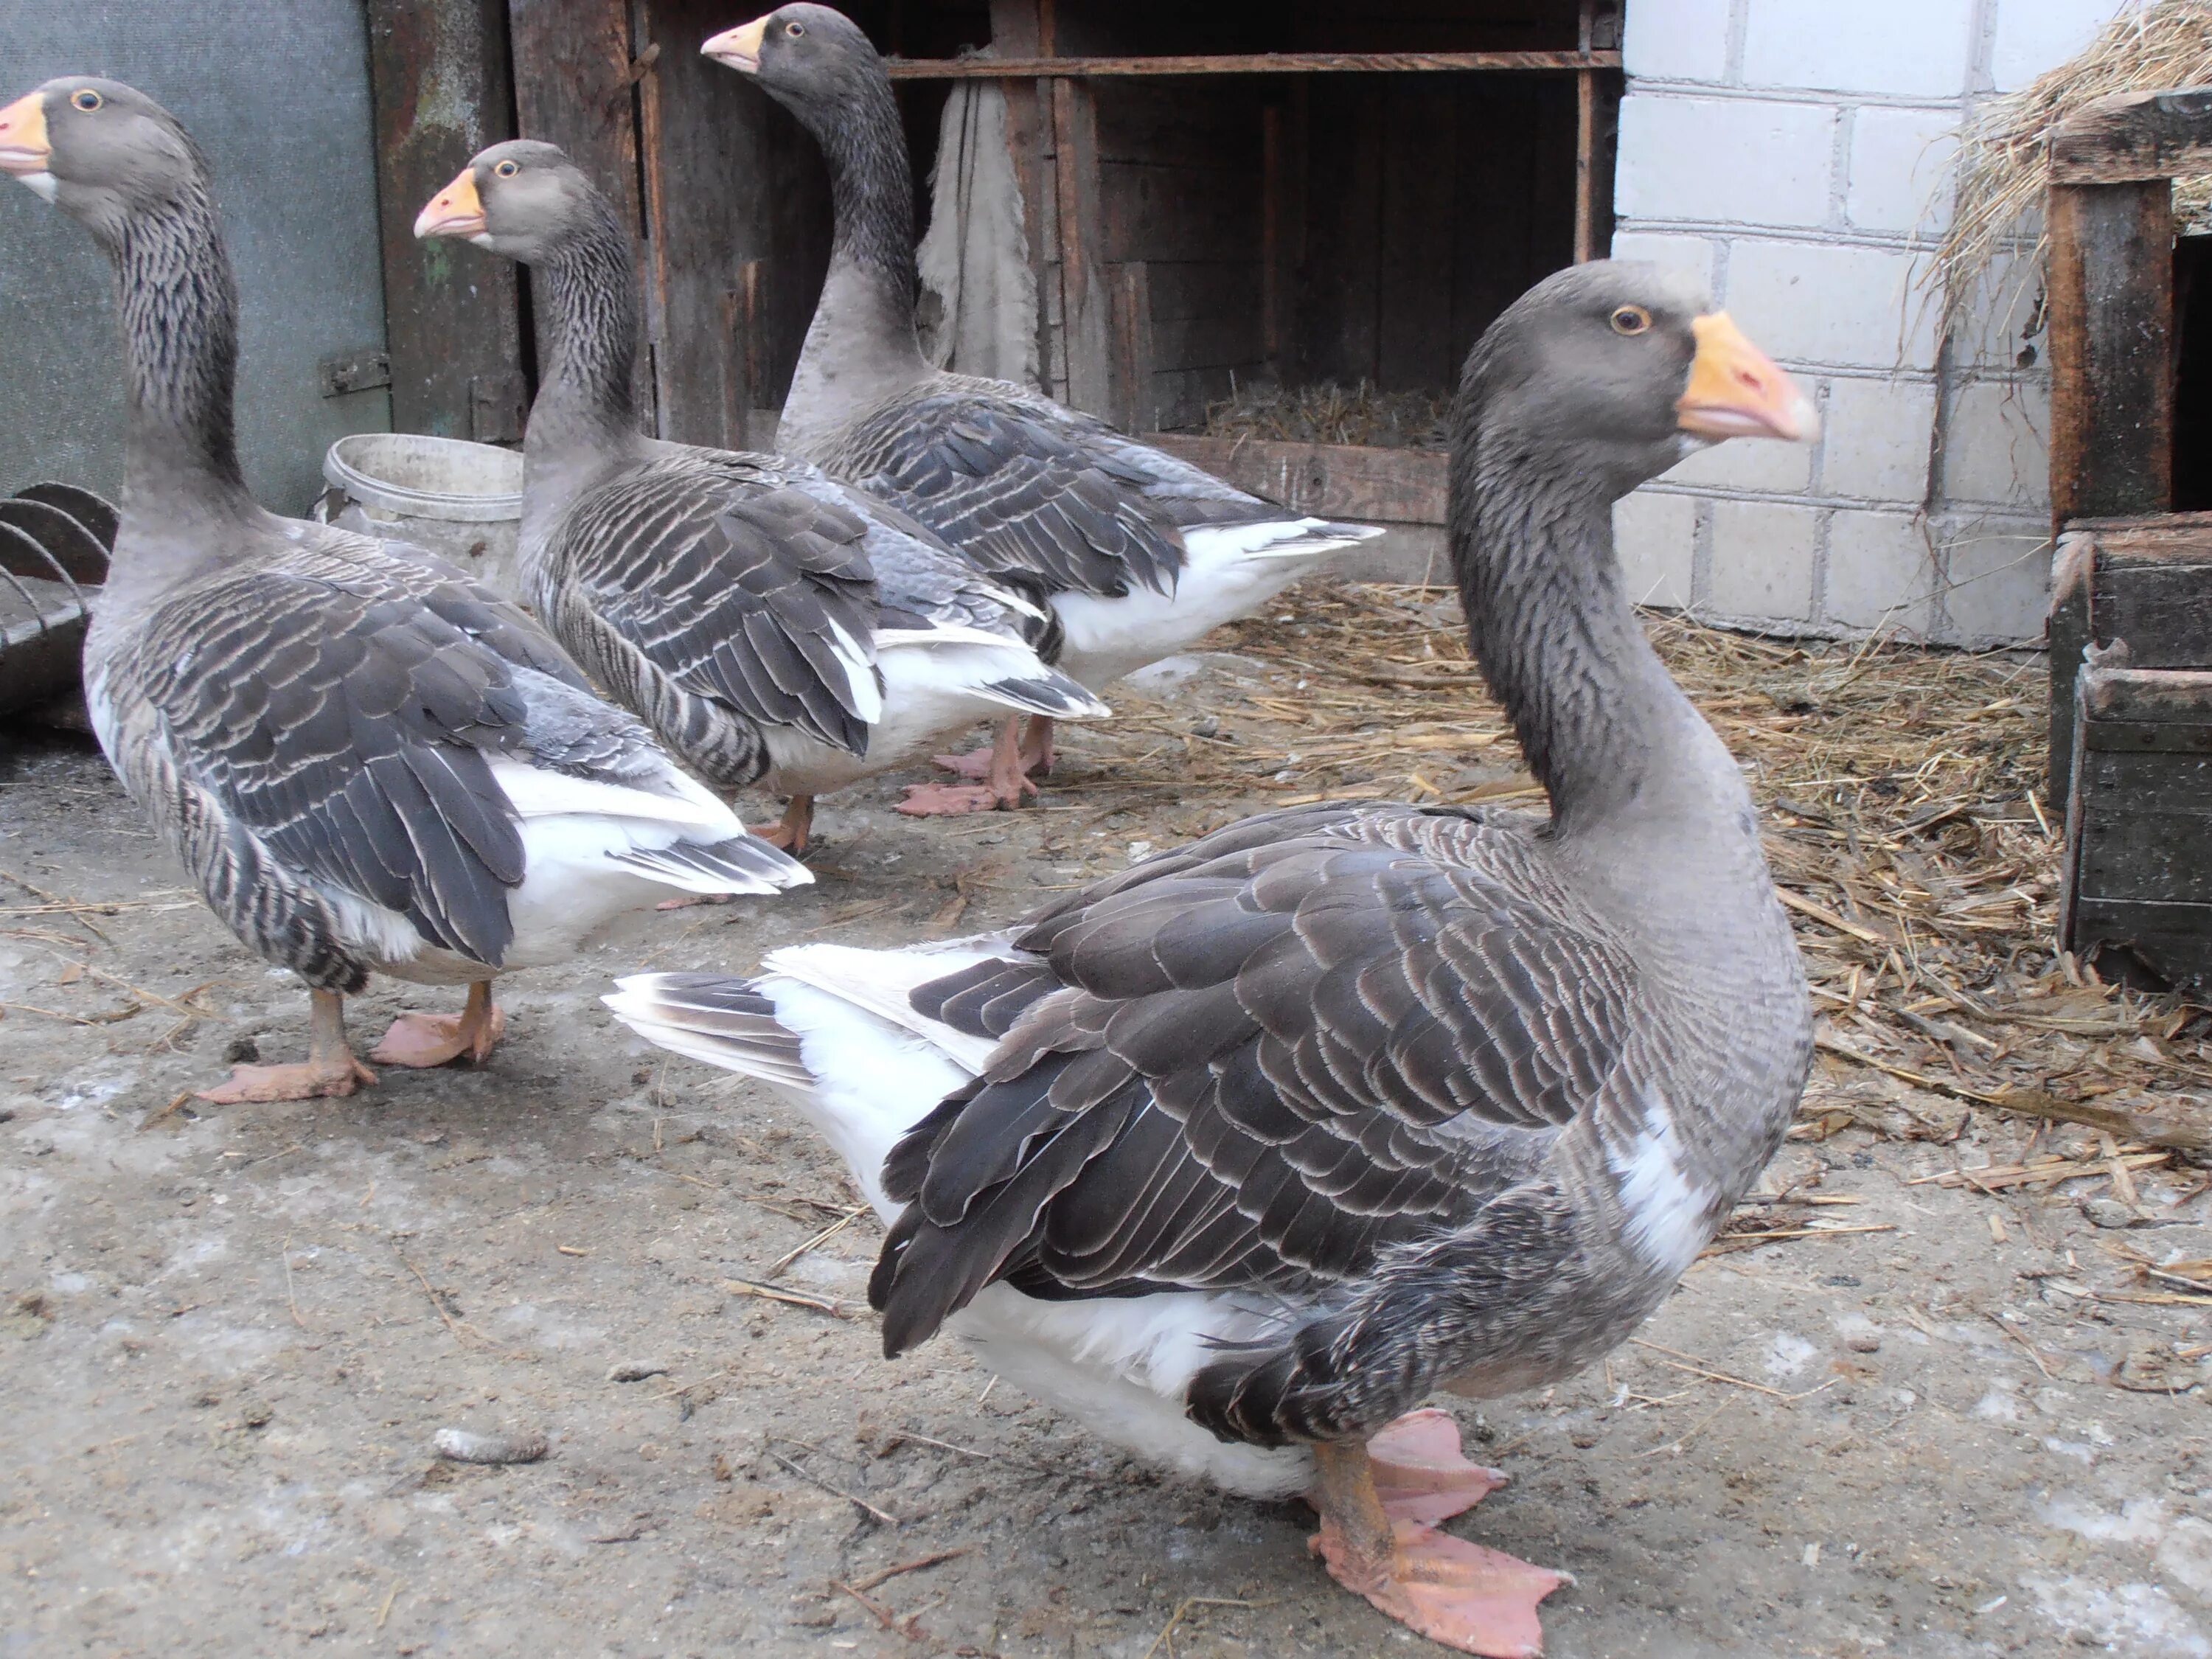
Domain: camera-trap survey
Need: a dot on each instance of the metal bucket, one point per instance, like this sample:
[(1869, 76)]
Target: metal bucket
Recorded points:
[(456, 498)]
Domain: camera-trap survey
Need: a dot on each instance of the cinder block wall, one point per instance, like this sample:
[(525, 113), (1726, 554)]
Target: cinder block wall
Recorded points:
[(1791, 153)]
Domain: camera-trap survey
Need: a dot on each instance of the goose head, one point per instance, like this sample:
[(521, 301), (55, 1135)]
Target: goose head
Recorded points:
[(1621, 368), (102, 152), (522, 198), (812, 59)]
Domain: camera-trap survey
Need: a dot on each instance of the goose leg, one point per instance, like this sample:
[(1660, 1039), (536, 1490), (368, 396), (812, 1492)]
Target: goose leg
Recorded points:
[(1037, 752), (330, 1068), (790, 831), (1457, 1594), (423, 1040), (1005, 781)]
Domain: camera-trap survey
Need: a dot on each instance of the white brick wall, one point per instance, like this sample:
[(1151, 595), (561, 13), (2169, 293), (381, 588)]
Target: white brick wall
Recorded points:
[(1793, 153)]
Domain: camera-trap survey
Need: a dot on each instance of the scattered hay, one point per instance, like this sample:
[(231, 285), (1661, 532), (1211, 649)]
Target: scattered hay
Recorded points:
[(2003, 168), (1902, 794), (1331, 414)]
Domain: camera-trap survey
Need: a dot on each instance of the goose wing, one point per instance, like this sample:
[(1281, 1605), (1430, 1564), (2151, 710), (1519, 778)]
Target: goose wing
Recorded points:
[(1260, 1062), (345, 728), (1028, 491), (762, 600)]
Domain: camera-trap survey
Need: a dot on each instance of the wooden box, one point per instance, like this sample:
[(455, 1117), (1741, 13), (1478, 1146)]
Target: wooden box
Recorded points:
[(2131, 742)]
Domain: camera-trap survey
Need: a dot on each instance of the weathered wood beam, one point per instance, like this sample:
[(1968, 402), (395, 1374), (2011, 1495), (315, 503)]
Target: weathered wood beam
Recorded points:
[(1341, 481), (574, 87), (453, 322), (2134, 139), (1085, 304), (1266, 63), (2110, 280)]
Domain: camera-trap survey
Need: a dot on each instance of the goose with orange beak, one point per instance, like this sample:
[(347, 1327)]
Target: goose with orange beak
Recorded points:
[(367, 763), (1239, 1157)]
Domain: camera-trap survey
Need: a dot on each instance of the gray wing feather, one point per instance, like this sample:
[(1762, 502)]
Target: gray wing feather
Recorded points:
[(1264, 1061)]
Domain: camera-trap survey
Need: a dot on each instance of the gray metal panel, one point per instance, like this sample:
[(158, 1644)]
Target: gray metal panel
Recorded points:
[(277, 95)]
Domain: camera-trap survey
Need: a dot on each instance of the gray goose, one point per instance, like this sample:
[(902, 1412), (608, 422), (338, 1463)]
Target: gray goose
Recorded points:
[(764, 619), (1237, 1156), (1138, 554), (367, 761)]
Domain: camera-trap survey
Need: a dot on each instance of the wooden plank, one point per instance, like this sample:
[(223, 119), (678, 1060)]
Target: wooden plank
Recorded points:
[(2133, 138), (1135, 408), (1339, 320), (1344, 480), (2152, 781), (2067, 631), (453, 318), (1269, 63), (573, 88), (2161, 607), (1016, 32), (1085, 304), (1585, 143), (2160, 696), (1182, 214), (2110, 282), (1421, 149), (2173, 940), (2131, 851)]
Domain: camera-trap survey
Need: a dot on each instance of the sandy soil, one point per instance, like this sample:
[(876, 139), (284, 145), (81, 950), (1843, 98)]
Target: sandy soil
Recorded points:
[(227, 1339)]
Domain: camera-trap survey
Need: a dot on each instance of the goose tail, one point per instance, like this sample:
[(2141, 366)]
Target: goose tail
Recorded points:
[(725, 1022), (741, 864)]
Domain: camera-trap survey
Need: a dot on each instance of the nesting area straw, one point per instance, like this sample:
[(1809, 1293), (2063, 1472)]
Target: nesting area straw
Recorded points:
[(1327, 413), (2004, 167), (1902, 792)]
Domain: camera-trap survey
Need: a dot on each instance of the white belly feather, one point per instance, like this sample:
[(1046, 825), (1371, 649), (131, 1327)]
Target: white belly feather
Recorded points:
[(873, 1067)]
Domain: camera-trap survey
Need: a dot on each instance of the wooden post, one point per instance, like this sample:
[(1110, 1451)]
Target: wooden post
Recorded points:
[(1085, 305), (574, 87), (1136, 407), (1585, 143), (1016, 32), (2110, 285), (453, 318), (1271, 232)]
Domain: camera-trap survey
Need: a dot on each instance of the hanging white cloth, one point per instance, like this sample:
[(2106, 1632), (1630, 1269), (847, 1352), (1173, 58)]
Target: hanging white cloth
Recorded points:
[(979, 296)]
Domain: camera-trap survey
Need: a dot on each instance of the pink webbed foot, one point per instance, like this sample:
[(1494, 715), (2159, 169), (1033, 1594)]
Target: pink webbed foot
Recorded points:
[(1460, 1594), (1419, 1474), (426, 1039), (307, 1079), (949, 800), (975, 763)]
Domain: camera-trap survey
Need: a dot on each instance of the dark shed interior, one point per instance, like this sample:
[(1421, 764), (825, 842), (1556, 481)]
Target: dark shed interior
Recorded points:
[(1310, 193)]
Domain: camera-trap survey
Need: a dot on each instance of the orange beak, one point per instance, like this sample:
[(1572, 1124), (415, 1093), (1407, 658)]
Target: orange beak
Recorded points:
[(738, 48), (24, 149), (456, 211), (1737, 392)]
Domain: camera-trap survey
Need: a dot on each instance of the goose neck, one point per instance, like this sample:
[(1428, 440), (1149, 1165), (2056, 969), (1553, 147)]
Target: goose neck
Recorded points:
[(861, 348), (1606, 730), (179, 305), (586, 408)]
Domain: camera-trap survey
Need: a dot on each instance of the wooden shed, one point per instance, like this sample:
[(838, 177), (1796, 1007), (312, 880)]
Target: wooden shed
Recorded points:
[(1213, 197)]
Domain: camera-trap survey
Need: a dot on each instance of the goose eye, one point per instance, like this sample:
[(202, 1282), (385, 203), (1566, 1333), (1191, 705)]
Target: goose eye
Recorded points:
[(1630, 319), (508, 169), (794, 29), (87, 100)]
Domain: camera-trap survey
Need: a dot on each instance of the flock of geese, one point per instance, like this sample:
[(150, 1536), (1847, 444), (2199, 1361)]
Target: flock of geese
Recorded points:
[(1235, 1157)]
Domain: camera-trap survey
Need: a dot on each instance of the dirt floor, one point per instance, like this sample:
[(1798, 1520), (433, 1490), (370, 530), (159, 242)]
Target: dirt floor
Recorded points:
[(1941, 1393)]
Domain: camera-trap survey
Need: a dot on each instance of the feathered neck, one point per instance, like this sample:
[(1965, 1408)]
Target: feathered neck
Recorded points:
[(585, 410), (861, 348), (1606, 730), (179, 306)]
